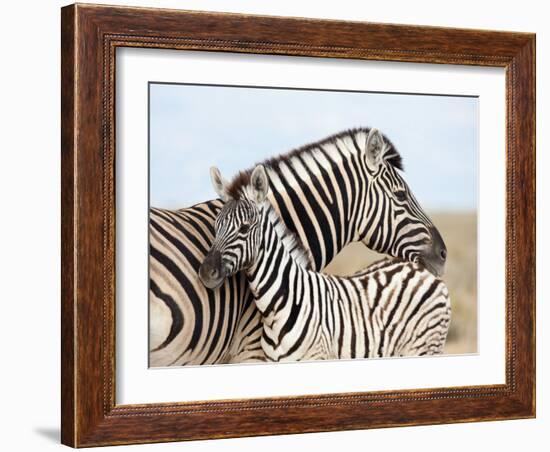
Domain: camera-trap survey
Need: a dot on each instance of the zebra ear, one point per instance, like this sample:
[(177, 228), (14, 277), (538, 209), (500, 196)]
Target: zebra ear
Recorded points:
[(219, 183), (259, 184), (374, 147)]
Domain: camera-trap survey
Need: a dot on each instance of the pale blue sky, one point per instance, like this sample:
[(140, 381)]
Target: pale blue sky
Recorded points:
[(195, 127)]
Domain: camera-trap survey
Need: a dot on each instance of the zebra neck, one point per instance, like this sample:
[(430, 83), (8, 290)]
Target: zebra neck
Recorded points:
[(321, 194), (280, 255)]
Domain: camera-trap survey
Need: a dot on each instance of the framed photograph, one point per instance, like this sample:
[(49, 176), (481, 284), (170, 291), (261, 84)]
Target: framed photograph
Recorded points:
[(281, 225)]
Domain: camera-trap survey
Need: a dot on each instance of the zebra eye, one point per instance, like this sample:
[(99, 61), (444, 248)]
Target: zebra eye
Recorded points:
[(244, 228), (401, 195)]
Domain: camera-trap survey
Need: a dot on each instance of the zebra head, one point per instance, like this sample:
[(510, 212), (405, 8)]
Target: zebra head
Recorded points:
[(237, 228), (395, 223)]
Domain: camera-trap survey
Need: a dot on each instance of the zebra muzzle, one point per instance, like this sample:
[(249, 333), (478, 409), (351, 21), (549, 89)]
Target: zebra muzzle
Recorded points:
[(211, 271), (435, 256)]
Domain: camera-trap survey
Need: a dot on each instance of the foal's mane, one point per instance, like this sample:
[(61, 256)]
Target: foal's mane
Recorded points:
[(291, 241)]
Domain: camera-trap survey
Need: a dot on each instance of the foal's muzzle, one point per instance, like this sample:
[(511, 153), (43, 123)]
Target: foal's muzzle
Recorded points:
[(212, 272)]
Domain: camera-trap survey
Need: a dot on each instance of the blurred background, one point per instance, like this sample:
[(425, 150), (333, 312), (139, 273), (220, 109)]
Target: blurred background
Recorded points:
[(192, 127)]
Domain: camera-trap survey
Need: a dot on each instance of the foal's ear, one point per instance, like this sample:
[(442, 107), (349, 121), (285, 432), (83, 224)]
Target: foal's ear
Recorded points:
[(374, 147), (219, 183), (259, 184)]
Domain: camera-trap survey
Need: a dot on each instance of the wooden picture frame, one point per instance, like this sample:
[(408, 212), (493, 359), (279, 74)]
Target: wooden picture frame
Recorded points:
[(90, 36)]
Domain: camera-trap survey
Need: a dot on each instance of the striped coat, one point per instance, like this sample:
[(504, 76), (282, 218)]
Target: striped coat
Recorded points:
[(392, 308), (344, 188)]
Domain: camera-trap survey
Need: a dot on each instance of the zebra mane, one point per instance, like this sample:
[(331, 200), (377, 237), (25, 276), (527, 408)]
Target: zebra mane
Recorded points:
[(391, 155), (291, 241)]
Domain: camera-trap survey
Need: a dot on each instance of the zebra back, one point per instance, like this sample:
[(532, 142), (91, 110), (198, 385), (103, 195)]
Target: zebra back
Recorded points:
[(190, 324), (389, 309)]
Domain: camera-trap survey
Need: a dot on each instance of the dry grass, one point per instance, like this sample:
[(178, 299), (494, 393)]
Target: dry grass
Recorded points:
[(459, 230)]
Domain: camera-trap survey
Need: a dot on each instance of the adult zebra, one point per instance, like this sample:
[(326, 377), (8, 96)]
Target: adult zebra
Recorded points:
[(342, 189), (390, 309)]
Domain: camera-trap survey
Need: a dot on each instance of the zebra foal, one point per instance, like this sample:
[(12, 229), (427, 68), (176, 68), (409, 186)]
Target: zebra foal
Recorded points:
[(393, 308)]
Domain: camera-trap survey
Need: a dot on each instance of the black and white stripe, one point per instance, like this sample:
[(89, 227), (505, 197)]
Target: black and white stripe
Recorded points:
[(342, 189), (393, 308), (189, 324)]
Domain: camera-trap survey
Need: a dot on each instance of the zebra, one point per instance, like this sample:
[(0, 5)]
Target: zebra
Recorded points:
[(389, 309), (344, 188)]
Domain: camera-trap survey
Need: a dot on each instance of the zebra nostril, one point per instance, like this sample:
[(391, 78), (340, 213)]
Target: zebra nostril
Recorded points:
[(443, 254), (213, 273)]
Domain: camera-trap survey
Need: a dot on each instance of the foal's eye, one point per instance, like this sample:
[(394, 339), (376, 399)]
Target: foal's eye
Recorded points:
[(244, 228), (400, 195)]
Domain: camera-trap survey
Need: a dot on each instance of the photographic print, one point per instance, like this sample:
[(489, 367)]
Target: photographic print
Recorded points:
[(294, 225), (275, 225)]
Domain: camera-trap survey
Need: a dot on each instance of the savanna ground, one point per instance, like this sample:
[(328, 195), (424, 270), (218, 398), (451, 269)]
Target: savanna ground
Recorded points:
[(459, 231)]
